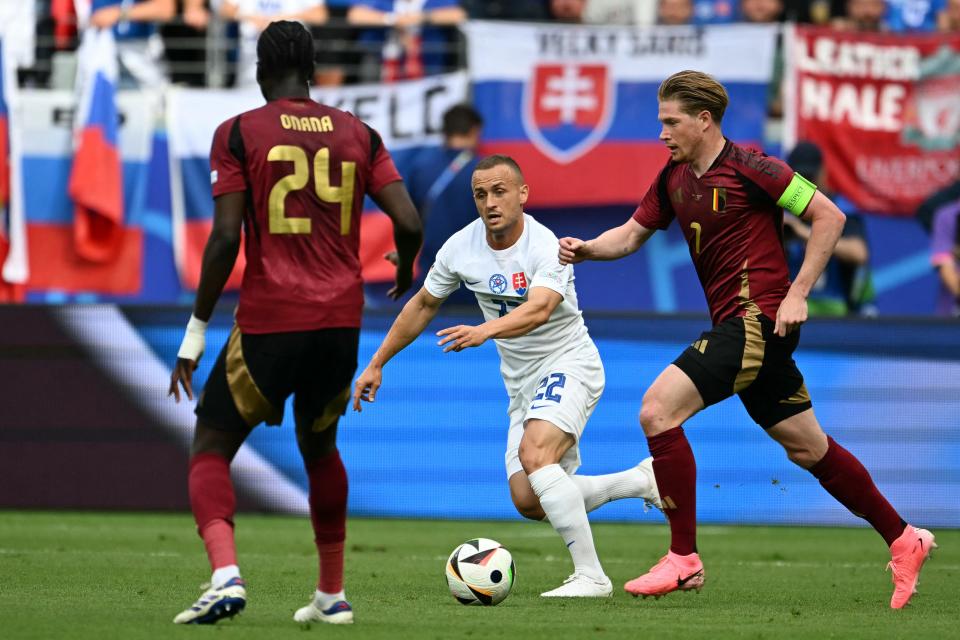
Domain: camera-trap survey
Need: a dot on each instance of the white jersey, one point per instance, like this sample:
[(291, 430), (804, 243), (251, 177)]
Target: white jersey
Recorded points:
[(501, 281)]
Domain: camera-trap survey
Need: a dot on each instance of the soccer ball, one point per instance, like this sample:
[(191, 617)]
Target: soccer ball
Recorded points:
[(480, 571)]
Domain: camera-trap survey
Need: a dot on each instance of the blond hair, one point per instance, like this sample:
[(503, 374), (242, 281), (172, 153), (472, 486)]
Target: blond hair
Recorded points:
[(695, 91)]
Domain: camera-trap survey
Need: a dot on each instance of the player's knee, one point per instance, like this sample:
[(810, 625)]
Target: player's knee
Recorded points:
[(534, 457), (652, 417)]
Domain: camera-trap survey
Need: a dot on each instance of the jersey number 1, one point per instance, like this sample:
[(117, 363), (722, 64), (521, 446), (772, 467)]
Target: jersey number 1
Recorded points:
[(279, 222)]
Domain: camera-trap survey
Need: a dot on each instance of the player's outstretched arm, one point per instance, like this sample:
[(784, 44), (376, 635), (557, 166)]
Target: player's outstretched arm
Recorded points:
[(826, 226), (413, 319), (525, 318), (610, 245), (219, 256), (394, 200)]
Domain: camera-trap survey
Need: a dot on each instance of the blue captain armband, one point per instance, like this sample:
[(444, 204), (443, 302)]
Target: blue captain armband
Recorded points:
[(797, 195)]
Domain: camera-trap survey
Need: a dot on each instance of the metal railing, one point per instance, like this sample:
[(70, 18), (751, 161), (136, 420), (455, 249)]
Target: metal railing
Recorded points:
[(210, 58)]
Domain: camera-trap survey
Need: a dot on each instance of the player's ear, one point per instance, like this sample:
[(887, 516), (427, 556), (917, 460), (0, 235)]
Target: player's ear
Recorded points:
[(705, 118), (524, 193)]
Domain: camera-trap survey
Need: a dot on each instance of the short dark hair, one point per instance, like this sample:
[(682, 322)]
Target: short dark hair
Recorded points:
[(695, 91), (286, 47), (498, 159), (460, 119)]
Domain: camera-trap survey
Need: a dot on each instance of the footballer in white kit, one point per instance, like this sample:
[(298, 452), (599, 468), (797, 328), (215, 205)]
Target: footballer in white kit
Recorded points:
[(550, 366), (554, 372)]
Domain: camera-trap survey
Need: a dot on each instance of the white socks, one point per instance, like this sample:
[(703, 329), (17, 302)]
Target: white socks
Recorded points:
[(324, 601), (224, 575), (599, 490), (564, 505)]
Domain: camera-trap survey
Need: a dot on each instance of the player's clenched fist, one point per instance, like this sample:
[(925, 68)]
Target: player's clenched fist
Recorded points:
[(572, 250)]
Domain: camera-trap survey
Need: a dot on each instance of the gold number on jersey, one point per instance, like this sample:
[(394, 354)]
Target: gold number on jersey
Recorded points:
[(342, 195), (280, 223), (696, 238)]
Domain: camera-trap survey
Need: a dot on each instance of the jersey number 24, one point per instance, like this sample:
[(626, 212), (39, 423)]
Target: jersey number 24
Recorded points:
[(279, 222)]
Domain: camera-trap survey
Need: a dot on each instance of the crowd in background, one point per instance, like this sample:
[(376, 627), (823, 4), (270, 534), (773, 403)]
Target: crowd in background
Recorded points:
[(213, 43)]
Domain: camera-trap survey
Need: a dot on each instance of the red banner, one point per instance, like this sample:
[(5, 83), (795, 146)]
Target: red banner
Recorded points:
[(884, 108)]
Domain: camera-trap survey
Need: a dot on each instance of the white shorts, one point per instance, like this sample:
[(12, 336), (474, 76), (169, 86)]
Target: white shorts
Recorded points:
[(564, 393)]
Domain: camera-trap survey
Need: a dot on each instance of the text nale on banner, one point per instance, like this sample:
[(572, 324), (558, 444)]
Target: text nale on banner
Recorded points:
[(885, 109)]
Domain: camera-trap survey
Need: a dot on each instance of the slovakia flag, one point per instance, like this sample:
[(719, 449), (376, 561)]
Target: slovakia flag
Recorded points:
[(96, 182)]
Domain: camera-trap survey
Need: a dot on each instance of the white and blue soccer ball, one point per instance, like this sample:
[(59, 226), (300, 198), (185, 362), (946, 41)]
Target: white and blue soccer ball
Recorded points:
[(480, 572)]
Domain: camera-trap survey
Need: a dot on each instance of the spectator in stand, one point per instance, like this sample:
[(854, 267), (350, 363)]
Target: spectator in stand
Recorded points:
[(949, 18), (439, 184), (337, 57), (570, 11), (254, 16), (945, 257), (408, 40), (714, 11), (913, 15), (845, 286), (139, 45), (761, 11), (634, 12), (675, 12), (506, 9), (863, 15), (185, 43)]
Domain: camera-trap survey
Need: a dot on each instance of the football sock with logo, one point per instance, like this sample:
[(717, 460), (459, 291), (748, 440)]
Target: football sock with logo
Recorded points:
[(328, 514), (213, 504), (676, 473), (847, 480), (563, 504), (599, 490)]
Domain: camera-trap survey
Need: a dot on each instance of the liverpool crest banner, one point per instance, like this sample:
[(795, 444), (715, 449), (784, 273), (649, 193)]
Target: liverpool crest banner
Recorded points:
[(884, 108)]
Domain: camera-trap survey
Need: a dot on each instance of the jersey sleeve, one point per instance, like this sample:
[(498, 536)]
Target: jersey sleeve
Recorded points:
[(548, 272), (226, 169), (655, 210), (382, 169), (442, 280), (790, 190)]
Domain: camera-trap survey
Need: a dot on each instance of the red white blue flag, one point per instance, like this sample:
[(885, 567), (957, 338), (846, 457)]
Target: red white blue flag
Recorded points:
[(12, 255), (96, 179)]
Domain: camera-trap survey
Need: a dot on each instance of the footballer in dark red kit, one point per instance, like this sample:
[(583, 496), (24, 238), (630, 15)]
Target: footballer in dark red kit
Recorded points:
[(289, 177), (729, 202)]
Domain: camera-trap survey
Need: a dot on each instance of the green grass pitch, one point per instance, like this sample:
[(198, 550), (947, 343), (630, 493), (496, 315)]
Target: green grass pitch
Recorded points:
[(107, 575)]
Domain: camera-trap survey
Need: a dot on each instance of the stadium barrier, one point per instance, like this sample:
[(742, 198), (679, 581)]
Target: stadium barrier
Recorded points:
[(88, 424)]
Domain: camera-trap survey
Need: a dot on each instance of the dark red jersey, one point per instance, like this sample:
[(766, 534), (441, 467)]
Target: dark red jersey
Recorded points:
[(732, 218), (305, 169)]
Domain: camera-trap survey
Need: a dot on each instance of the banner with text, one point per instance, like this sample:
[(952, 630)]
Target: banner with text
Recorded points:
[(885, 109), (406, 114), (576, 106)]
